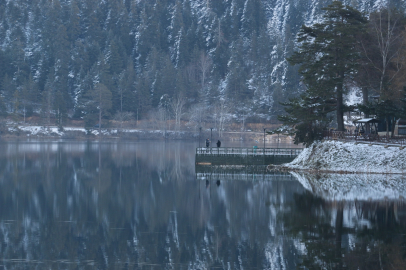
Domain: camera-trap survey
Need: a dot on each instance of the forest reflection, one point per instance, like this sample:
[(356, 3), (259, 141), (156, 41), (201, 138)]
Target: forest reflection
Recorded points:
[(350, 221), (142, 206)]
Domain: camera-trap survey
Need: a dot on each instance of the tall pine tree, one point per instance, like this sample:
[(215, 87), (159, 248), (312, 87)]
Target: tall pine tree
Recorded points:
[(327, 56)]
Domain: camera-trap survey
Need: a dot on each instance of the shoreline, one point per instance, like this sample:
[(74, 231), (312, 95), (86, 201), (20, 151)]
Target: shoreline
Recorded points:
[(74, 133)]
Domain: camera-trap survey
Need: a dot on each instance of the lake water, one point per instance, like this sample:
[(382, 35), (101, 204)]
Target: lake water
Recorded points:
[(140, 205)]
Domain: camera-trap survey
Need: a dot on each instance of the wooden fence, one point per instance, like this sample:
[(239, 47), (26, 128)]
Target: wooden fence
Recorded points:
[(359, 137), (255, 151)]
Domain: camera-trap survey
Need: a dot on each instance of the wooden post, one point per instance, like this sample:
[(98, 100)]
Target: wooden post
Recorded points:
[(211, 139), (200, 131)]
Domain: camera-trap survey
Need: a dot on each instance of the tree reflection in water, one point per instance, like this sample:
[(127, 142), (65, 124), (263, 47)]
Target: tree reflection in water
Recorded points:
[(350, 234), (140, 206)]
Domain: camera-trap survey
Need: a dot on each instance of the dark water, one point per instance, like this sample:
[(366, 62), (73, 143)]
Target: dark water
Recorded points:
[(141, 205)]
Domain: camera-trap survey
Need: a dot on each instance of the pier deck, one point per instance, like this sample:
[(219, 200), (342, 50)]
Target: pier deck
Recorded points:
[(243, 156)]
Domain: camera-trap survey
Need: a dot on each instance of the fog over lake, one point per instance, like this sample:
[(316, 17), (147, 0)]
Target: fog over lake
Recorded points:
[(142, 205)]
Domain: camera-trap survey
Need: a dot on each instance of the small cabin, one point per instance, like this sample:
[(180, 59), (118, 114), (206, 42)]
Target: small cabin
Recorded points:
[(375, 126)]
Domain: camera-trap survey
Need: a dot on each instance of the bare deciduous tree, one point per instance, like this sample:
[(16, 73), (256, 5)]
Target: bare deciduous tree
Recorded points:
[(221, 114), (204, 64), (383, 52), (190, 72), (198, 115), (123, 116), (177, 105)]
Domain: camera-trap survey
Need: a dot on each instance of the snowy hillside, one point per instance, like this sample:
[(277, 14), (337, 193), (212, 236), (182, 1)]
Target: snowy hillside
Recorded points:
[(219, 61)]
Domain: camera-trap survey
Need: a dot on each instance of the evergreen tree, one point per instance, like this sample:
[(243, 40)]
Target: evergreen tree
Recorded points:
[(181, 84), (74, 22), (127, 89), (91, 22), (221, 54), (328, 56), (3, 108), (20, 67), (181, 50), (52, 23), (309, 116), (253, 18), (30, 96), (176, 21), (59, 107), (125, 37), (188, 19), (143, 41), (142, 96), (237, 88), (8, 89), (165, 81), (114, 58), (61, 67), (93, 54), (48, 99), (4, 67), (85, 108), (101, 97)]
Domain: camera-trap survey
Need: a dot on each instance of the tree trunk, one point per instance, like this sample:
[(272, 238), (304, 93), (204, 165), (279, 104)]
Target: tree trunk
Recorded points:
[(365, 102), (340, 110), (100, 110), (99, 121), (365, 96), (393, 127)]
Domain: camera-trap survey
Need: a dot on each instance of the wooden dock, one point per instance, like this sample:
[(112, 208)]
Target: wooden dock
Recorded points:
[(245, 176), (244, 156)]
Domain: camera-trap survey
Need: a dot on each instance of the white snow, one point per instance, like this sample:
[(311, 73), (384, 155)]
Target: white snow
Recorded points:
[(37, 130), (380, 4), (53, 130), (353, 97), (348, 157)]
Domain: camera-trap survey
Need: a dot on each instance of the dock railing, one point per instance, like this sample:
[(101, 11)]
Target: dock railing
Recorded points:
[(248, 151)]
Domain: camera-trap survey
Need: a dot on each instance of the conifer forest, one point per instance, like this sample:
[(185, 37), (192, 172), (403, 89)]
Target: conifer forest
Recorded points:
[(198, 61)]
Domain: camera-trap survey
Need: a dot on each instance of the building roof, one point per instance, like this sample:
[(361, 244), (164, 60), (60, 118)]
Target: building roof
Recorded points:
[(366, 120)]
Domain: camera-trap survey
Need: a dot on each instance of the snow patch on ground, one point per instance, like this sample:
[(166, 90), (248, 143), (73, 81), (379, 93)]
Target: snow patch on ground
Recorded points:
[(336, 156), (80, 132), (41, 130)]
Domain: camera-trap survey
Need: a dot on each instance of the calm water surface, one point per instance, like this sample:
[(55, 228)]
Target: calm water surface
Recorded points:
[(141, 205)]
